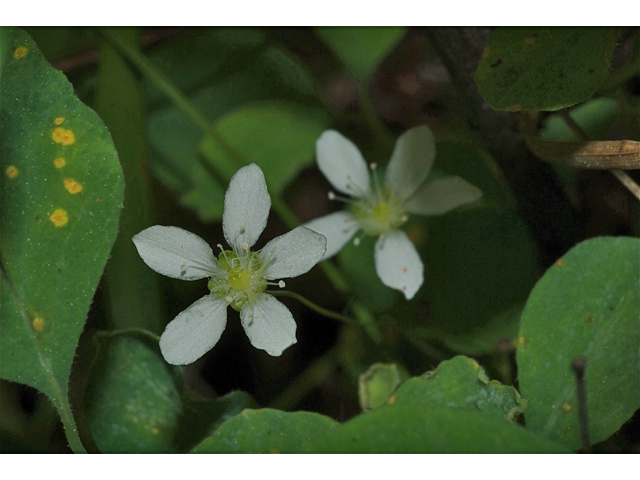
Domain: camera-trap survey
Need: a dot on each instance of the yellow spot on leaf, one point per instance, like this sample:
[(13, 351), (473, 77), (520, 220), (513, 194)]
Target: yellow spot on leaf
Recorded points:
[(521, 340), (59, 217), (559, 262), (20, 52), (475, 364), (12, 172), (392, 399), (72, 186), (566, 407), (59, 162), (485, 53), (38, 324), (65, 137), (155, 430), (59, 120)]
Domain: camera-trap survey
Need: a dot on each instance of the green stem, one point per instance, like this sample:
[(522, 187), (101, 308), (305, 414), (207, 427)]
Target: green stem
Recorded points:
[(70, 428), (161, 81), (313, 306), (307, 381), (281, 208)]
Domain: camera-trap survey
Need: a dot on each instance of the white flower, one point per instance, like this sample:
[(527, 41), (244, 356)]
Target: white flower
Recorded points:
[(238, 277), (382, 210)]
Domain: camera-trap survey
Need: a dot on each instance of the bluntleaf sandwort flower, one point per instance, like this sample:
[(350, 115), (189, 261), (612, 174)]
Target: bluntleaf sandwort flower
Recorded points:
[(381, 211), (237, 278)]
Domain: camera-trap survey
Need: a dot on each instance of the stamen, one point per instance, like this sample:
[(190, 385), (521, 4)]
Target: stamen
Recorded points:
[(245, 246), (281, 284), (356, 241), (229, 299), (333, 196), (376, 182)]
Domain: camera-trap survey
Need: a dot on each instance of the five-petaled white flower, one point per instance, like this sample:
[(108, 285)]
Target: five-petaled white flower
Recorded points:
[(238, 277), (382, 210)]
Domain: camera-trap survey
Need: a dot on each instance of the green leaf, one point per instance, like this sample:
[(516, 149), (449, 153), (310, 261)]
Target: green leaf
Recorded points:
[(461, 383), (361, 49), (480, 259), (544, 68), (135, 401), (416, 429), (132, 288), (377, 384), (266, 431), (595, 117), (61, 196), (279, 137), (587, 304), (357, 264)]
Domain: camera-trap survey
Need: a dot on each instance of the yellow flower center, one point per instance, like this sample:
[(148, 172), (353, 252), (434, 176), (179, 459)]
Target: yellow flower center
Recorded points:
[(240, 280)]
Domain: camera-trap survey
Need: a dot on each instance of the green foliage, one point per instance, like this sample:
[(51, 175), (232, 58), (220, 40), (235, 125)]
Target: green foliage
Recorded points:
[(267, 431), (120, 104), (280, 138), (361, 49), (356, 261), (461, 383), (585, 305), (135, 401), (416, 429), (61, 197), (544, 68), (480, 260)]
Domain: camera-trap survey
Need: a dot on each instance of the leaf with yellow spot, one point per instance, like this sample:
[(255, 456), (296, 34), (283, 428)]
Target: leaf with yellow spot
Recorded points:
[(53, 245)]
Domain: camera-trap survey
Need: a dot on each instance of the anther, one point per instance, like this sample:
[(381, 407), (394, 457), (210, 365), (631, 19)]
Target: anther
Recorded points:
[(245, 246), (373, 166), (281, 284), (331, 195), (229, 299), (356, 241)]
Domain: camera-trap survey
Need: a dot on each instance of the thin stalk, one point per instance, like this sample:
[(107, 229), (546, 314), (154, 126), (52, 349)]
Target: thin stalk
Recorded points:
[(307, 381), (313, 306)]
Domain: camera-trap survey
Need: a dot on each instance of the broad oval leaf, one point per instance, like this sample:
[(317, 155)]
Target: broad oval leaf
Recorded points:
[(61, 196), (416, 429), (461, 383), (136, 403), (544, 68), (267, 431), (587, 304)]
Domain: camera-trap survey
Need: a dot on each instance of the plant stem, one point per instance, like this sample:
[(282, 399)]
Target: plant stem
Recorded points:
[(313, 306), (307, 381)]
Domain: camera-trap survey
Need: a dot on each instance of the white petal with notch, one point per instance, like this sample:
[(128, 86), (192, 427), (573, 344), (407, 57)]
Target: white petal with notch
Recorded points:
[(246, 207), (175, 252), (442, 195), (293, 253), (337, 227), (411, 160), (195, 331), (269, 325), (398, 263), (342, 164)]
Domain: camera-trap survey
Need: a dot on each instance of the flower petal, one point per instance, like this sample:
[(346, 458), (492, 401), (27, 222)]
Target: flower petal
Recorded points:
[(342, 163), (442, 195), (293, 253), (246, 207), (195, 331), (398, 263), (175, 252), (411, 160), (269, 325), (337, 227)]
